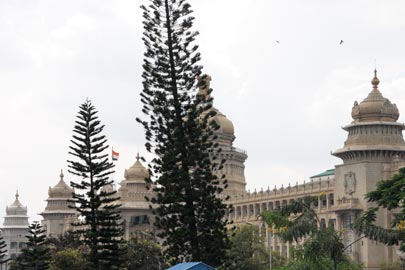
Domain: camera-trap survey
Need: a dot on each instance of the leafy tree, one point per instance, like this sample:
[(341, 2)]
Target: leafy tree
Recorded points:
[(324, 263), (390, 195), (391, 266), (101, 228), (144, 255), (36, 254), (248, 251), (67, 240), (324, 248), (180, 134), (69, 259)]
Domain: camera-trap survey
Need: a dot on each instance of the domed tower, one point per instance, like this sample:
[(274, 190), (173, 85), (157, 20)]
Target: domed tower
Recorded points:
[(134, 208), (234, 168), (15, 227), (374, 133), (57, 210), (371, 152)]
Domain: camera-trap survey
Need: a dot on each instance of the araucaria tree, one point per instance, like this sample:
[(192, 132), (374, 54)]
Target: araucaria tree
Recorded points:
[(100, 228), (180, 133), (3, 250), (36, 254)]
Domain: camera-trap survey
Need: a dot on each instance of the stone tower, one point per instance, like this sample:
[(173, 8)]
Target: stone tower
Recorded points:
[(234, 168), (15, 227), (57, 210), (371, 152), (134, 208)]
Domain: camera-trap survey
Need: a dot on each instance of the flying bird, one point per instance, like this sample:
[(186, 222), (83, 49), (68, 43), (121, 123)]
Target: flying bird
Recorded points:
[(277, 41), (341, 42)]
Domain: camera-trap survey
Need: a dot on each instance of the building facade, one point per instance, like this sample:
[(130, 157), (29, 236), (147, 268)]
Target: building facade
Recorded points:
[(57, 211), (374, 150), (135, 211), (15, 227)]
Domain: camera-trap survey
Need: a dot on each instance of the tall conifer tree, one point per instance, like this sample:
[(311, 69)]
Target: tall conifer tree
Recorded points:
[(36, 254), (101, 228), (180, 134)]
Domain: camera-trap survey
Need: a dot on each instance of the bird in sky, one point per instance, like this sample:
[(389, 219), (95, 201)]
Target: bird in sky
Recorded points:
[(277, 41), (341, 42)]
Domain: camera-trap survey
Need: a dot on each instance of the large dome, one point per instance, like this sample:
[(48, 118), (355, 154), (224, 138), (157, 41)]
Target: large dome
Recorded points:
[(375, 107), (137, 172), (61, 189)]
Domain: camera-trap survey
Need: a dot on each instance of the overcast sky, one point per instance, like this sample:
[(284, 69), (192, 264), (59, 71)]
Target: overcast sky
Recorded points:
[(287, 100)]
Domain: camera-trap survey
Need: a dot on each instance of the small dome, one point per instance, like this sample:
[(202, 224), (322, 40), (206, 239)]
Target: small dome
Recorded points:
[(137, 171), (16, 208), (375, 107), (61, 189), (225, 125)]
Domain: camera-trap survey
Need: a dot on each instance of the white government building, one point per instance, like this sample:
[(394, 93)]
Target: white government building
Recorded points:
[(373, 150)]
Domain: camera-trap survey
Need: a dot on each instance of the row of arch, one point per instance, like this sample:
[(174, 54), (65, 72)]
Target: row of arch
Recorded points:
[(253, 210)]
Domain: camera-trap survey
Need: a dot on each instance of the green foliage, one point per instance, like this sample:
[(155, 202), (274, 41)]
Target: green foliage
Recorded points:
[(325, 242), (388, 194), (323, 249), (144, 255), (323, 263), (67, 240), (36, 254), (101, 229), (303, 223), (391, 266), (179, 132), (69, 259), (248, 251)]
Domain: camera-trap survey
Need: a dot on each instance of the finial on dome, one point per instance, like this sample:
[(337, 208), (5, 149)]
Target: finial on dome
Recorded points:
[(61, 174), (138, 157), (16, 195), (375, 81)]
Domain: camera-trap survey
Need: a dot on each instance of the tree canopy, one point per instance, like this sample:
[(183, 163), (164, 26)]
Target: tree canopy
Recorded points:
[(322, 249), (36, 254), (101, 227), (389, 194), (180, 133)]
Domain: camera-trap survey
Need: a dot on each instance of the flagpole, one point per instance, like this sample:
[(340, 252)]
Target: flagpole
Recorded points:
[(112, 160)]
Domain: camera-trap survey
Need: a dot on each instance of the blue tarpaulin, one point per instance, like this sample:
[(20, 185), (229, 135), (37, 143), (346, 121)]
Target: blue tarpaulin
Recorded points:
[(191, 266)]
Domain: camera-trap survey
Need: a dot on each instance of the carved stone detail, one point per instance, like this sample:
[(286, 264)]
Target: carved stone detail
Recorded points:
[(350, 183)]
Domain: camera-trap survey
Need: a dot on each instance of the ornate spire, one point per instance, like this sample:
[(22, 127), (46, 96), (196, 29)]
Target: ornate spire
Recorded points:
[(138, 157), (61, 174), (16, 195), (375, 81)]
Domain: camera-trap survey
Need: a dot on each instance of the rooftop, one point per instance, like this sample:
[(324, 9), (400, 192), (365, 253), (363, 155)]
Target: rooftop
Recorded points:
[(191, 266), (325, 173)]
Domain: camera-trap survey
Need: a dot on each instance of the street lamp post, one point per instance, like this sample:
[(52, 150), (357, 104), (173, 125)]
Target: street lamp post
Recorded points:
[(269, 231), (269, 246)]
